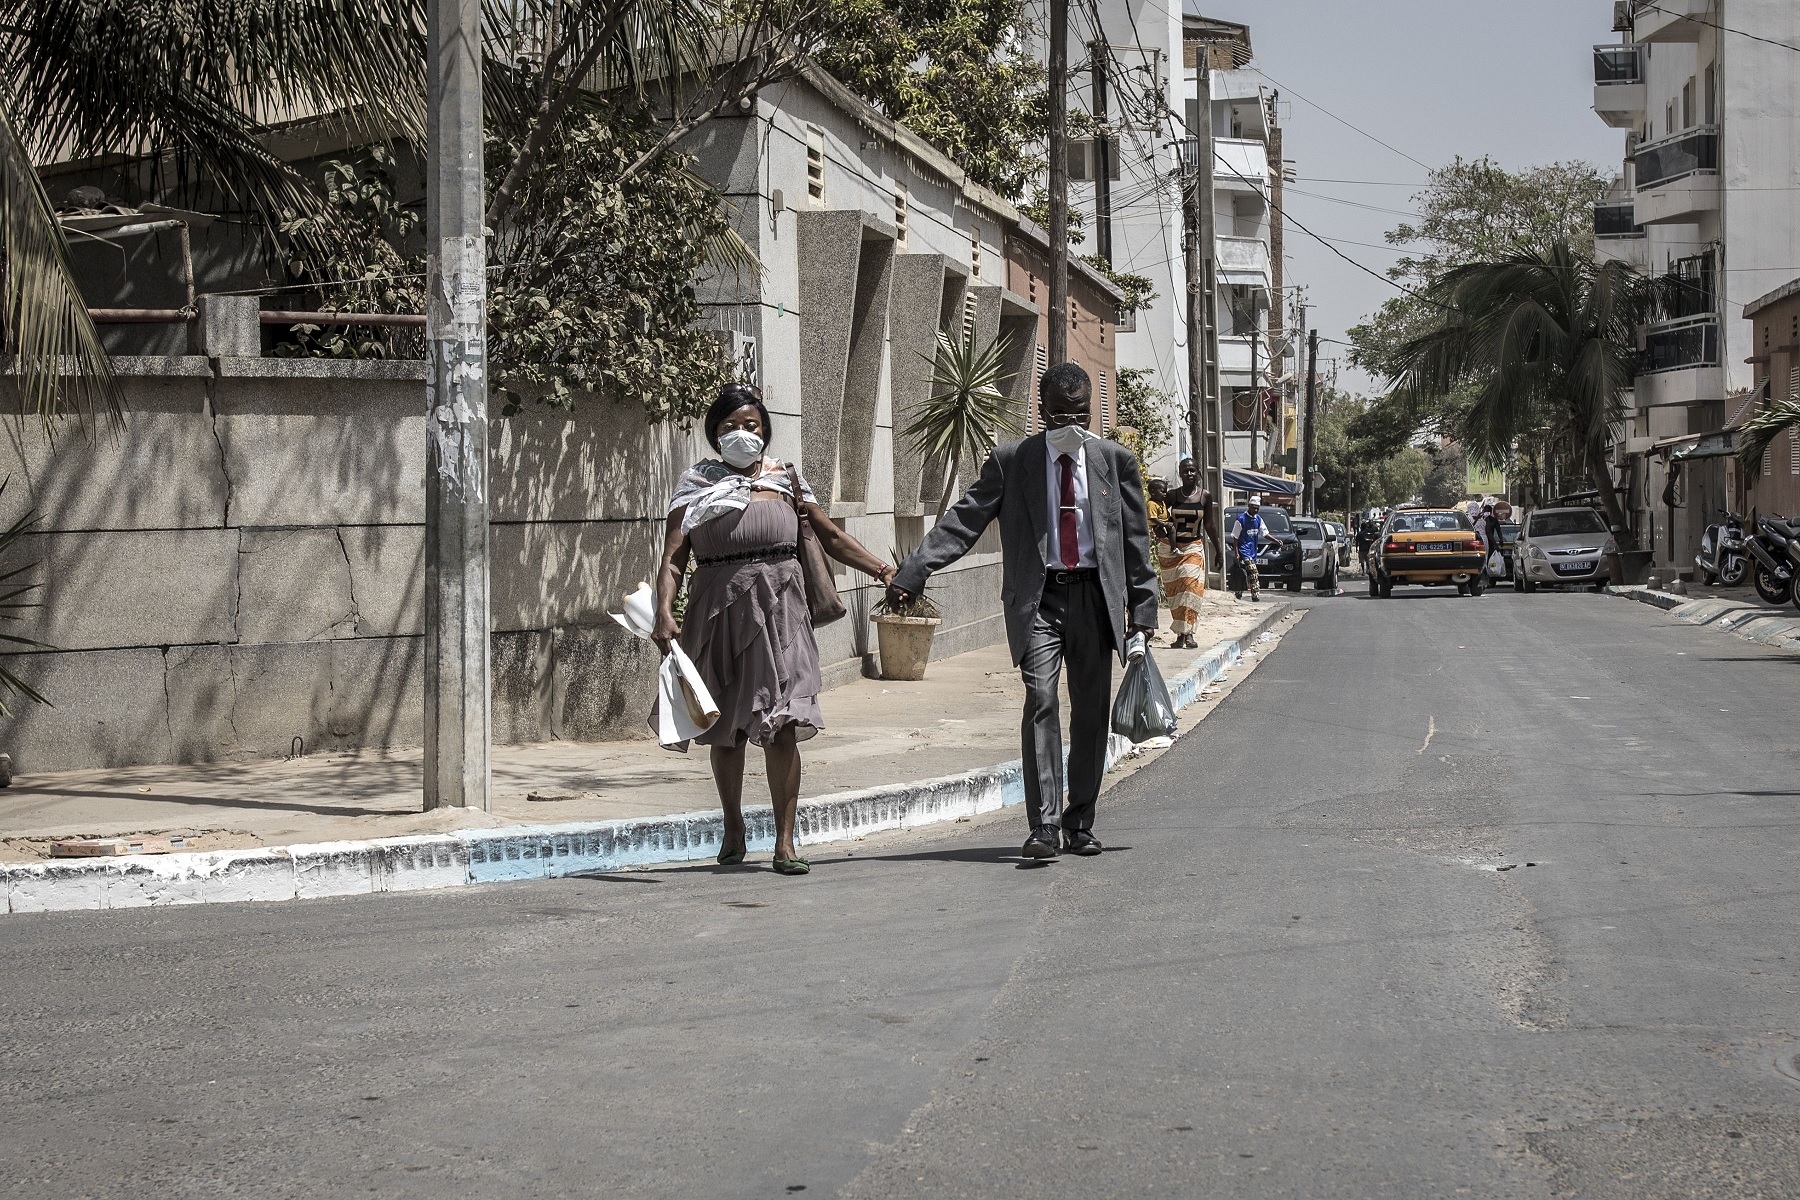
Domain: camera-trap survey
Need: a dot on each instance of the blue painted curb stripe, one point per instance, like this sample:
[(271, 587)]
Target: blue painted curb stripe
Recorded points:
[(532, 851)]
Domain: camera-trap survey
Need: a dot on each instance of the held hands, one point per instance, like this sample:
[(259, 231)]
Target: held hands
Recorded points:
[(897, 597)]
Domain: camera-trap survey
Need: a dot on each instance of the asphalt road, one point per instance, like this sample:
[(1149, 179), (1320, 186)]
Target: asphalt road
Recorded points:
[(1490, 897)]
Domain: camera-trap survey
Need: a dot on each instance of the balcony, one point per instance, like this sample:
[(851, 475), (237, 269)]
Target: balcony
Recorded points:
[(1619, 85), (1234, 361), (1669, 20), (1244, 261), (1614, 219), (1241, 165), (1681, 344), (1678, 177)]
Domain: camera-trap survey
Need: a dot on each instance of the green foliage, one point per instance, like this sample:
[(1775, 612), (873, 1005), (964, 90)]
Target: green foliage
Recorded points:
[(12, 607), (1763, 427), (966, 414), (1543, 345), (1446, 475), (1145, 414), (1470, 211), (359, 264), (1138, 290), (956, 72), (593, 280), (1360, 472)]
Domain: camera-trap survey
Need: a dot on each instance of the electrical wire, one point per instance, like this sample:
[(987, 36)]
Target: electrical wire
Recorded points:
[(1285, 88), (1723, 28)]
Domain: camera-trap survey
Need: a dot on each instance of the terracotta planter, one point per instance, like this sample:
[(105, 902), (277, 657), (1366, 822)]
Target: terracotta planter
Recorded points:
[(905, 644)]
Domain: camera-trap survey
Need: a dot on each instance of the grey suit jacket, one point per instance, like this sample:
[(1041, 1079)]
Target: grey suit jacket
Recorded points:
[(1014, 486)]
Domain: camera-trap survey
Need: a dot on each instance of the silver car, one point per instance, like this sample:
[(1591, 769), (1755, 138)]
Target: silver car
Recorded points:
[(1342, 537), (1562, 545), (1318, 553)]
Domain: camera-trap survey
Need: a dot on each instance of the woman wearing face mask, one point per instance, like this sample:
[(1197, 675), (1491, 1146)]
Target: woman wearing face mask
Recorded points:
[(746, 625)]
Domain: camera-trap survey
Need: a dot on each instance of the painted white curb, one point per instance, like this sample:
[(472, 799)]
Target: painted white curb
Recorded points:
[(1748, 621), (402, 864)]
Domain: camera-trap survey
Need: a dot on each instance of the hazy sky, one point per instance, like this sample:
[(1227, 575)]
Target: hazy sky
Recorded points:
[(1432, 78)]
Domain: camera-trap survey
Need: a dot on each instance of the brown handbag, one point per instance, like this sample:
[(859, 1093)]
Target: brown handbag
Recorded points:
[(822, 599)]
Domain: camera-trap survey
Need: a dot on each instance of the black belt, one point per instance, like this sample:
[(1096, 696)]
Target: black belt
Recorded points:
[(766, 554), (1064, 577)]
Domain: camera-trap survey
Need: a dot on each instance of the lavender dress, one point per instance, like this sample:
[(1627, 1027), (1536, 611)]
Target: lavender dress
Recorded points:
[(747, 627)]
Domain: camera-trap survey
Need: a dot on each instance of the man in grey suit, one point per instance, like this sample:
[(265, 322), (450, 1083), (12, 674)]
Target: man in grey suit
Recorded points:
[(1075, 540)]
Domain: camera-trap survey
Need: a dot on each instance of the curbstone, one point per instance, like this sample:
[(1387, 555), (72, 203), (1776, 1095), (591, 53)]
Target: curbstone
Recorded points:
[(471, 856), (1746, 621)]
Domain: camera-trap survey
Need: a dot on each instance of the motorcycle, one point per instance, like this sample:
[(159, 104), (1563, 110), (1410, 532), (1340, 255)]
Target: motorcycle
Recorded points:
[(1772, 568), (1721, 558)]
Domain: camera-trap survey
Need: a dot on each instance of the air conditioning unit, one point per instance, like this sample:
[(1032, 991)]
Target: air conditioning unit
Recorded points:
[(1621, 16)]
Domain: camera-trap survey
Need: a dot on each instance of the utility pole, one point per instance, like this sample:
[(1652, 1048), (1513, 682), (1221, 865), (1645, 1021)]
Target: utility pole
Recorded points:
[(1206, 199), (1308, 439), (456, 494), (1103, 231), (1256, 394), (1059, 180)]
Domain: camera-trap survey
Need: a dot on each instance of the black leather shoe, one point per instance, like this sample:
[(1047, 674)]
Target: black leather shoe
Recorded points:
[(1080, 841), (1041, 843)]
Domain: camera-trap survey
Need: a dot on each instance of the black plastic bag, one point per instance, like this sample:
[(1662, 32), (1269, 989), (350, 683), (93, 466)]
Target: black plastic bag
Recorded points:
[(1143, 709)]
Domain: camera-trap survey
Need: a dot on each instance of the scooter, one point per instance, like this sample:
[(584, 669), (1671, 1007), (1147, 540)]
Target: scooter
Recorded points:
[(1772, 567), (1721, 559)]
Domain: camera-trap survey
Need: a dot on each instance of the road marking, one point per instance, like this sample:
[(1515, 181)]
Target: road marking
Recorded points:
[(1430, 732)]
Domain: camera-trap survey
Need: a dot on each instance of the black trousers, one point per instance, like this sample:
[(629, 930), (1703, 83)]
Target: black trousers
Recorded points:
[(1071, 628)]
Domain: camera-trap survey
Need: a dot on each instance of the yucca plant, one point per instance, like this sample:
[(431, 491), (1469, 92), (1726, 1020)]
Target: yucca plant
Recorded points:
[(966, 414), (13, 606)]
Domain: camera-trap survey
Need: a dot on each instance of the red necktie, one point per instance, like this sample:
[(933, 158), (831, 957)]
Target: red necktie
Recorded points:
[(1067, 532)]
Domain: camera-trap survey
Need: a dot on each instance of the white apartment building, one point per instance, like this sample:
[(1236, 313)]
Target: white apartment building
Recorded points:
[(1709, 196)]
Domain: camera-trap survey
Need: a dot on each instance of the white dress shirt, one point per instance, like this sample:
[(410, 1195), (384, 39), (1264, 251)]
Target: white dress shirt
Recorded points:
[(1084, 528)]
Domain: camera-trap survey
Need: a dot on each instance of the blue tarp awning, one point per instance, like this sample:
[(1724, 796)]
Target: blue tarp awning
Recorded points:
[(1252, 481)]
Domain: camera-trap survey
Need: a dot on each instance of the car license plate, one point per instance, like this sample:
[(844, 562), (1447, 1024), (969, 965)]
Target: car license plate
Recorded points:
[(1574, 568), (1428, 546)]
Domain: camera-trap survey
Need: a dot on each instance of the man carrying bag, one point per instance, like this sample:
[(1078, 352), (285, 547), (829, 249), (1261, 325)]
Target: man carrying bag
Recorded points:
[(1075, 540)]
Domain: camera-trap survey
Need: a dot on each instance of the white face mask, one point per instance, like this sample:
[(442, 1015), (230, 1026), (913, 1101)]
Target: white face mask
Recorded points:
[(1066, 439), (740, 448)]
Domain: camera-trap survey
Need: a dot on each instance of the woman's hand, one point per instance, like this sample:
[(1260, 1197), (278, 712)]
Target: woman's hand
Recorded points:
[(666, 631)]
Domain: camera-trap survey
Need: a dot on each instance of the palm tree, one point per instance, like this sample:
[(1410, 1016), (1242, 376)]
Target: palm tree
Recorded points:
[(1762, 428), (966, 413), (1542, 341)]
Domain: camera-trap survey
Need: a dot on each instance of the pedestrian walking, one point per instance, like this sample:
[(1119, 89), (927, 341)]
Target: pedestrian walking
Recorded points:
[(1493, 541), (1367, 530), (1183, 554), (1075, 546), (746, 625), (1247, 533)]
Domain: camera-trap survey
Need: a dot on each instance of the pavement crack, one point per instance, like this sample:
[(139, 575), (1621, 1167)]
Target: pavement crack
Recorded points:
[(1430, 732)]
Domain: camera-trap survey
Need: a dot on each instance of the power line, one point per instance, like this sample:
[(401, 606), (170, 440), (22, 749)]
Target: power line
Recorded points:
[(1403, 154), (1724, 28), (1356, 204)]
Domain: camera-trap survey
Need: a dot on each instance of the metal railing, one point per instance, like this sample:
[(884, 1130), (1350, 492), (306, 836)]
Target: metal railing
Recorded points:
[(1687, 153), (1616, 219), (1675, 345), (1618, 64)]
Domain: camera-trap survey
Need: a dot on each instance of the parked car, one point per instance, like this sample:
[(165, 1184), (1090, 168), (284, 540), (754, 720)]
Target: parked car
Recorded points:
[(1430, 547), (1509, 546), (1563, 545), (1345, 543), (1278, 563), (1318, 552)]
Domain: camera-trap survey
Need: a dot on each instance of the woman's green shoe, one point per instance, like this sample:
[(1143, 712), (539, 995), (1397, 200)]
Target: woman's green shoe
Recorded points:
[(730, 858), (792, 866)]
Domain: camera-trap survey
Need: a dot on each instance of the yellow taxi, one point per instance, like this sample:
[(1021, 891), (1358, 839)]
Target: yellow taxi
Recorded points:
[(1432, 547)]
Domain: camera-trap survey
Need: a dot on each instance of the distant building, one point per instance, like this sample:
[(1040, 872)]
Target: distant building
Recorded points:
[(1775, 360), (1709, 99)]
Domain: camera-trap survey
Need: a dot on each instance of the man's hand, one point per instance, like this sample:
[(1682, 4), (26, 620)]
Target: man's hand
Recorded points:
[(1146, 630), (898, 597)]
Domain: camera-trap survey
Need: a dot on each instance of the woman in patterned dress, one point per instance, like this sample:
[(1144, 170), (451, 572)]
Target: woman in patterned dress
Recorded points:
[(746, 625), (1183, 554)]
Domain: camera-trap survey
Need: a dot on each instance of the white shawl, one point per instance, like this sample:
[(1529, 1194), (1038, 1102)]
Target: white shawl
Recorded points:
[(711, 489)]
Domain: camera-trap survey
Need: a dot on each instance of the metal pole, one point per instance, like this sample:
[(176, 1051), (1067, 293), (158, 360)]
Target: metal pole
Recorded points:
[(1209, 329), (1257, 398), (456, 514), (1059, 180), (1308, 443)]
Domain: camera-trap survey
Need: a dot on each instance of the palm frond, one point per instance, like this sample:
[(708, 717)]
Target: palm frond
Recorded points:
[(12, 607), (60, 364), (1765, 425)]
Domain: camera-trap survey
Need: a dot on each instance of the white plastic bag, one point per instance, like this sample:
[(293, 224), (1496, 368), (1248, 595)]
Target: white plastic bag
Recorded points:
[(684, 707), (1496, 565)]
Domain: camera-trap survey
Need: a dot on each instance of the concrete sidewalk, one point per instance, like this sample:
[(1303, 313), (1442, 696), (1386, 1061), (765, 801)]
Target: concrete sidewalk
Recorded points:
[(1737, 611), (893, 755)]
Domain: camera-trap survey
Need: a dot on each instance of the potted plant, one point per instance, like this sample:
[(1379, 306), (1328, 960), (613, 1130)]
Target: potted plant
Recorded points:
[(965, 414), (903, 635)]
